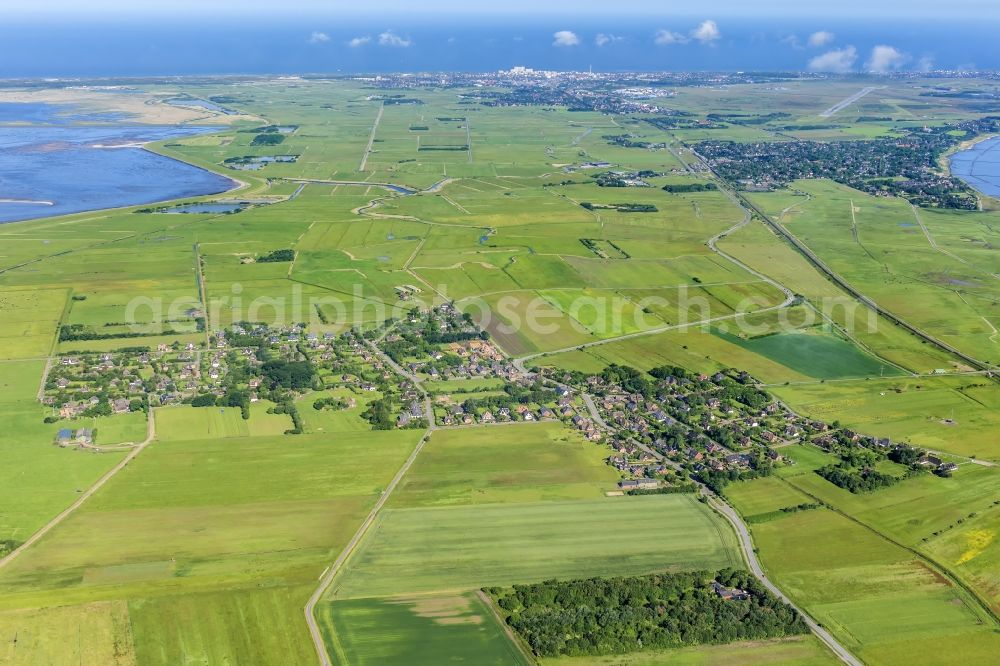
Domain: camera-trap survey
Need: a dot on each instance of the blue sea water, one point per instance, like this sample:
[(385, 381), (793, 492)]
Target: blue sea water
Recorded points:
[(56, 169), (979, 166), (407, 41)]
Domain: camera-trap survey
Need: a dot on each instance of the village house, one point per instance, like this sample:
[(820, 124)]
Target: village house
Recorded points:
[(730, 594), (638, 484)]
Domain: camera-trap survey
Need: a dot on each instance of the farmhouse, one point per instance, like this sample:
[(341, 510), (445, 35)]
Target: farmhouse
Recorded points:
[(730, 593), (929, 461), (638, 484)]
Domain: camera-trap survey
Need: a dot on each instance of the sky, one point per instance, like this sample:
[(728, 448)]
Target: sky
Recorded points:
[(85, 38), (524, 9)]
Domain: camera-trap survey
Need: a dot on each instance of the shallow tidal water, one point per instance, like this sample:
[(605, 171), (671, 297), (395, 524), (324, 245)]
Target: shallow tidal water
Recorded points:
[(61, 167), (979, 166)]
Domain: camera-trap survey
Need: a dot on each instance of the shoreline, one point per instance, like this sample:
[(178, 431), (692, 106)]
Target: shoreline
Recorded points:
[(234, 185), (967, 146), (962, 147)]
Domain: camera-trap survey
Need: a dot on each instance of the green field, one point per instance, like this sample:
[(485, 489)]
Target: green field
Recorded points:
[(875, 596), (971, 550), (462, 547), (801, 651), (457, 629), (205, 547), (815, 354), (522, 463), (198, 545)]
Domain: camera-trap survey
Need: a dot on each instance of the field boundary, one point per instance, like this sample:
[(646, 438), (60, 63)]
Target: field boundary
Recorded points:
[(936, 566), (345, 554), (516, 642), (68, 511)]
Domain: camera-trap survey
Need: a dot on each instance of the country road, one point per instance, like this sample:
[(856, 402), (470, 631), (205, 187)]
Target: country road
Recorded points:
[(66, 513), (746, 544), (331, 573), (520, 361), (713, 246), (371, 137), (327, 579)]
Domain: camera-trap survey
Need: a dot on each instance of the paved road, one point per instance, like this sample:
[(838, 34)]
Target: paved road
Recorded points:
[(428, 408), (49, 526), (371, 137), (712, 244), (746, 543), (327, 579)]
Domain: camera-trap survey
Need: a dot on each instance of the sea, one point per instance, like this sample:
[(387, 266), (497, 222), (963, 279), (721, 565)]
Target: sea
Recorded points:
[(407, 41), (57, 166), (979, 166)]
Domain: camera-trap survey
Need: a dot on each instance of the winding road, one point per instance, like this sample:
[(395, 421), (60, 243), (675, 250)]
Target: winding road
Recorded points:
[(746, 543)]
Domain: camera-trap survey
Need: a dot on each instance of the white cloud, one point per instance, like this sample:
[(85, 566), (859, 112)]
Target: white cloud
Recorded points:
[(565, 38), (821, 38), (925, 64), (389, 38), (885, 59), (319, 38), (603, 39), (666, 38), (707, 32), (359, 41), (792, 41), (839, 61)]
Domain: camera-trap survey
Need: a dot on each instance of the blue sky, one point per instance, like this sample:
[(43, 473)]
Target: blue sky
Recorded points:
[(157, 37), (526, 9)]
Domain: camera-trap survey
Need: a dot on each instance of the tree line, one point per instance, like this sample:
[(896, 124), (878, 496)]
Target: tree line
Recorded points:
[(600, 616)]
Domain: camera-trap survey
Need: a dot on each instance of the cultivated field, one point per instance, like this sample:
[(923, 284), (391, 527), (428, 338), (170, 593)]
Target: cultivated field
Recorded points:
[(205, 547)]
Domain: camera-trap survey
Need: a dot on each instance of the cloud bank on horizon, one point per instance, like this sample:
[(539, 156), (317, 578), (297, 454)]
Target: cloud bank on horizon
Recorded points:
[(883, 60), (565, 38), (852, 9), (844, 59), (386, 38), (707, 33), (821, 38)]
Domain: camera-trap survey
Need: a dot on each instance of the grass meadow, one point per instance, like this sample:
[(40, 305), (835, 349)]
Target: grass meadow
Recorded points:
[(462, 547), (452, 628), (801, 651), (521, 463), (204, 548)]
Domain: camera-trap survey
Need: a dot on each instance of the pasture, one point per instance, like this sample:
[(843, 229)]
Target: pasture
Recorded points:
[(971, 550), (527, 462), (208, 542), (800, 651), (205, 548), (873, 595), (430, 630), (417, 550)]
